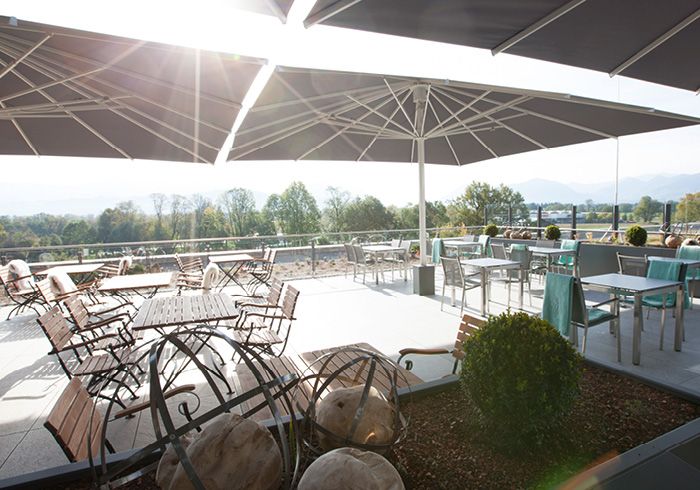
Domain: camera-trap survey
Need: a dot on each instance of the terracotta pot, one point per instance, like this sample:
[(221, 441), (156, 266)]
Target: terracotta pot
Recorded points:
[(690, 242), (526, 235), (507, 233), (673, 241)]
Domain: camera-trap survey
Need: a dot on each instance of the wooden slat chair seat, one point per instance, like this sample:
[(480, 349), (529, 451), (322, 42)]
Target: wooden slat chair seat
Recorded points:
[(22, 298), (467, 327), (265, 331), (104, 353), (76, 424)]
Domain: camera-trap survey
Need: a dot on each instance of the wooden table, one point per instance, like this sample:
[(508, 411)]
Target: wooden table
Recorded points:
[(173, 311), (485, 266), (145, 285), (624, 285), (244, 379), (83, 272), (378, 251), (235, 262)]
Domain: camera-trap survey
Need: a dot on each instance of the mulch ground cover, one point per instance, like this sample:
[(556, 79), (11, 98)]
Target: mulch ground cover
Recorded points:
[(445, 448)]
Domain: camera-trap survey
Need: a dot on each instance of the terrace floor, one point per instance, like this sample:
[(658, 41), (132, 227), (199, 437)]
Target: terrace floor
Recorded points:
[(331, 311)]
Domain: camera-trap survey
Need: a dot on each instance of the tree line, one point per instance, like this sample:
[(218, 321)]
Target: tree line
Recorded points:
[(294, 211)]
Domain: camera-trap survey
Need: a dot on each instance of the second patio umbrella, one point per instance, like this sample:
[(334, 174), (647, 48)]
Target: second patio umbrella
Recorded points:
[(308, 114)]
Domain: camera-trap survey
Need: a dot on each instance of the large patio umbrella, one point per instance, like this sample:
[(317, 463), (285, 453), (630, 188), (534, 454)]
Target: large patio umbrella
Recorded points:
[(650, 40), (65, 92), (277, 8), (308, 114)]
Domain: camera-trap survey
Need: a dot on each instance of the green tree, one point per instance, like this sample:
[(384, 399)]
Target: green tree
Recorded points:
[(647, 209), (298, 211), (334, 212), (435, 216), (179, 222), (159, 202), (688, 209), (367, 213), (468, 209), (78, 231), (211, 224), (238, 206)]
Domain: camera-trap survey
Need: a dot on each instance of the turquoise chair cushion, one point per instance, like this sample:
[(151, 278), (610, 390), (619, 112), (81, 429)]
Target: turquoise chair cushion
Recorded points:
[(662, 269), (567, 245), (437, 250), (558, 298), (690, 252), (598, 315), (518, 246)]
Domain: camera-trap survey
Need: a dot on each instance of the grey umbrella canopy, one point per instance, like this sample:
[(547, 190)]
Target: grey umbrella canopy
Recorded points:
[(278, 8), (650, 40), (65, 92), (326, 115)]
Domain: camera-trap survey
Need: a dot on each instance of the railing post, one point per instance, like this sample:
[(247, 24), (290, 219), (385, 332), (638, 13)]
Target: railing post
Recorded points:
[(573, 222), (667, 220), (539, 222), (3, 260), (313, 257), (616, 220), (486, 215), (510, 215), (80, 255)]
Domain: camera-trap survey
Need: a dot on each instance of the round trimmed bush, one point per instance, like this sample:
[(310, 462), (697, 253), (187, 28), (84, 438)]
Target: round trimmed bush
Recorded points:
[(522, 377), (636, 235), (491, 230), (552, 232)]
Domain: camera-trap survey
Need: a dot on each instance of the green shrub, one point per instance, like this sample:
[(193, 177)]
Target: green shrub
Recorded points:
[(552, 232), (636, 235), (522, 377), (491, 230), (136, 268)]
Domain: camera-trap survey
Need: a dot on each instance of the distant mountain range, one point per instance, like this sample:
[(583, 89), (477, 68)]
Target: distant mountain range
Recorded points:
[(659, 187)]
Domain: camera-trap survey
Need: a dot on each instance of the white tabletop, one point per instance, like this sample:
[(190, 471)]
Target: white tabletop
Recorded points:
[(551, 251), (490, 263), (633, 284), (72, 268), (219, 259), (460, 243), (381, 248), (138, 281)]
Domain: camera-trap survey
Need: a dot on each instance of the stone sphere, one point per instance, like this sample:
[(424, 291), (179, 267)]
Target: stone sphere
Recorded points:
[(507, 233), (230, 453), (673, 241), (337, 410), (349, 468), (689, 242)]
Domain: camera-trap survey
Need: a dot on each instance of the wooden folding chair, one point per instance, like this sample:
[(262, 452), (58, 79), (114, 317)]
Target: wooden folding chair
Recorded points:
[(467, 327), (265, 331), (99, 323), (22, 298)]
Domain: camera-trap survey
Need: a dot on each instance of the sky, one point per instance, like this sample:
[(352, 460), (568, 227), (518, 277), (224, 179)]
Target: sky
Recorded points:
[(215, 25)]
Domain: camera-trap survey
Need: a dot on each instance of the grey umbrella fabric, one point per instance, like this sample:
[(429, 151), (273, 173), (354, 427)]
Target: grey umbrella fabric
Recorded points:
[(277, 8), (326, 115), (65, 92), (650, 40)]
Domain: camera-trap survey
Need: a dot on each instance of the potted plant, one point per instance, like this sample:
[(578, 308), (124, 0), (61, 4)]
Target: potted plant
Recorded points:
[(636, 235)]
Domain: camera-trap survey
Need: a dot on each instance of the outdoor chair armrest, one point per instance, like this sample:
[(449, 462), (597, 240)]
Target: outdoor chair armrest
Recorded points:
[(258, 305), (20, 278), (611, 300), (246, 295), (146, 404), (107, 321), (263, 315), (405, 352), (86, 342)]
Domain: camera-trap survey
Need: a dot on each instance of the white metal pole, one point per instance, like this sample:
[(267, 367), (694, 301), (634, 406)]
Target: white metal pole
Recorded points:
[(421, 203)]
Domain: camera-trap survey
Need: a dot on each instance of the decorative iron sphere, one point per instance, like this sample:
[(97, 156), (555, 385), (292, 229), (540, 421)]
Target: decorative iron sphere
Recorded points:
[(190, 362), (349, 397)]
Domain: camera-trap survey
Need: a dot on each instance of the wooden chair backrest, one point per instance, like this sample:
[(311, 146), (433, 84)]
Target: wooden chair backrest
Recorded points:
[(69, 422), (46, 291), (467, 327), (289, 303), (350, 252), (56, 328), (275, 292), (77, 311), (6, 279), (189, 264)]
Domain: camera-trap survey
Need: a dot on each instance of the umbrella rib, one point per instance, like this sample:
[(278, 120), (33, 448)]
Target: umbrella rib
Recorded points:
[(81, 90), (447, 140), (497, 121), (463, 109), (403, 110), (41, 64), (379, 114), (80, 121), (22, 133), (352, 124), (655, 43), (286, 133), (328, 12), (123, 71), (376, 136), (20, 58)]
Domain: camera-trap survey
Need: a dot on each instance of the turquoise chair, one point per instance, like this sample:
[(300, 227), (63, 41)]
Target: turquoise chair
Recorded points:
[(690, 252), (670, 271), (518, 246), (485, 241), (565, 305), (568, 263)]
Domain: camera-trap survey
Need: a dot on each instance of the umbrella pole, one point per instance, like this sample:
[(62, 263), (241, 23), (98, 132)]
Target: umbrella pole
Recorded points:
[(422, 233)]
